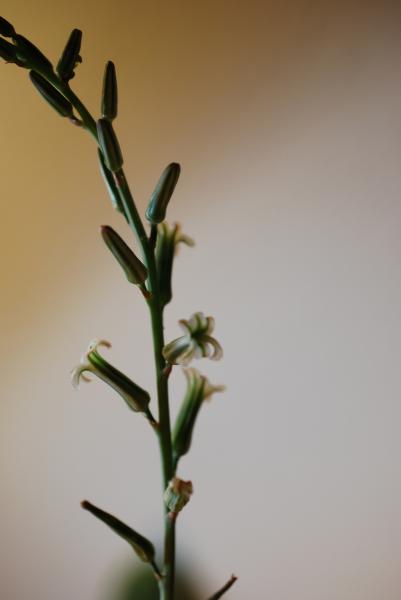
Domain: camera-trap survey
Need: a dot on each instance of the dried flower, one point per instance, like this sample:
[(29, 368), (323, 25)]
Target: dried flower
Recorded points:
[(196, 343), (177, 494)]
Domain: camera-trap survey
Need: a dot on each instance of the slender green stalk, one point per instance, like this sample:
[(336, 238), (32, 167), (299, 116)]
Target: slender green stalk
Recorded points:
[(153, 279), (169, 557), (122, 189), (224, 589)]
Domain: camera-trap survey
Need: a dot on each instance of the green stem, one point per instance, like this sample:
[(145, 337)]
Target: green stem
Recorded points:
[(224, 589), (88, 120), (169, 557), (121, 189)]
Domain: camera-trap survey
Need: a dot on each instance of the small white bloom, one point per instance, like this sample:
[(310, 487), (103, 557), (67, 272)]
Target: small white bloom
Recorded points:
[(196, 343), (136, 398)]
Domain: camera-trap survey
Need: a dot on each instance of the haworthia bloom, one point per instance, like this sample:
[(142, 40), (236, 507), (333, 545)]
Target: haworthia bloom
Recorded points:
[(198, 390), (51, 95), (110, 92), (168, 239), (70, 57), (156, 211), (134, 269), (141, 545), (136, 398), (195, 343), (109, 145)]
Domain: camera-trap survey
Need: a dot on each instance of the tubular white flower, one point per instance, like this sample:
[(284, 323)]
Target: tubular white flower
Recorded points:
[(198, 389), (196, 343), (168, 240), (136, 398)]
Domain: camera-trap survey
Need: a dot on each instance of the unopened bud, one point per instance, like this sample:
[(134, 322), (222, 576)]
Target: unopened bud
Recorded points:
[(134, 269), (109, 145), (6, 28), (31, 56), (156, 211), (51, 95), (110, 92), (8, 51), (141, 545), (70, 57)]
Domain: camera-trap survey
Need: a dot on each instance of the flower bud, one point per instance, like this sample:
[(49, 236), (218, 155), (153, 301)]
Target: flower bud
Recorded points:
[(8, 51), (156, 211), (51, 95), (177, 494), (141, 545), (109, 145), (109, 94), (134, 269), (31, 56), (108, 179), (6, 28), (70, 57)]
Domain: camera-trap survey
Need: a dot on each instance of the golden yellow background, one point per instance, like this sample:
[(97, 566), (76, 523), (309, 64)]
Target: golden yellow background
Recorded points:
[(286, 118)]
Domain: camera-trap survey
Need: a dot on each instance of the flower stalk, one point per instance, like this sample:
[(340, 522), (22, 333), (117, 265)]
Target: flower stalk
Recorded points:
[(152, 274)]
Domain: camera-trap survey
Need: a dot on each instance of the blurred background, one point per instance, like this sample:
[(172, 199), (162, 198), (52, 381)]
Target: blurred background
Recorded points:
[(286, 119)]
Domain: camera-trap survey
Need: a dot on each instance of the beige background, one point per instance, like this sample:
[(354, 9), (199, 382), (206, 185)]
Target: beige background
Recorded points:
[(286, 119)]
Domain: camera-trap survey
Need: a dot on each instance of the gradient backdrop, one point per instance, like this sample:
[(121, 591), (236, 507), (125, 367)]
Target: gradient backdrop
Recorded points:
[(286, 119)]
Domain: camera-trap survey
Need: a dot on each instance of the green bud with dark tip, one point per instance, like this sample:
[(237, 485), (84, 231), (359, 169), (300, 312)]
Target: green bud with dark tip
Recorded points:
[(6, 28), (70, 57), (156, 211), (8, 51), (134, 269), (109, 145), (51, 95), (141, 545), (31, 56), (110, 93)]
